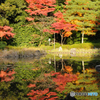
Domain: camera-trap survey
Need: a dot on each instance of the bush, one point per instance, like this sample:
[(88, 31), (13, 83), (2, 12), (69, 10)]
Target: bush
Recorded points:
[(2, 44)]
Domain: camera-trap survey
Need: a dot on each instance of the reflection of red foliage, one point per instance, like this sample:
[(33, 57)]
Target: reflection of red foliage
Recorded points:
[(31, 85), (2, 74), (30, 19), (51, 93), (68, 69), (6, 76), (38, 94), (60, 81)]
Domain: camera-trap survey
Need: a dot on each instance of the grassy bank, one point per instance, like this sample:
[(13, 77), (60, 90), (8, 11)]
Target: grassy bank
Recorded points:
[(77, 46), (57, 45)]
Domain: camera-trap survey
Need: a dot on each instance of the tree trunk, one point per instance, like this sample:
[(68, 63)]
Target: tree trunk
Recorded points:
[(82, 37), (61, 39), (62, 69), (83, 66), (54, 63), (54, 40)]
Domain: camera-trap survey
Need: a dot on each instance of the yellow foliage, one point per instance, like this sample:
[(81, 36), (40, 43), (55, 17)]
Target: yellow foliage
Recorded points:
[(75, 21), (76, 82), (77, 73), (67, 34), (68, 69), (80, 14)]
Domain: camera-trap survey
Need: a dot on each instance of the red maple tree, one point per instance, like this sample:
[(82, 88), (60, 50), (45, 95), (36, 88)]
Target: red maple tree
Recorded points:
[(40, 7), (5, 31), (61, 26), (43, 7)]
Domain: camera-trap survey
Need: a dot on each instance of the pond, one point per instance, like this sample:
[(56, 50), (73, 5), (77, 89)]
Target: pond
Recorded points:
[(48, 78)]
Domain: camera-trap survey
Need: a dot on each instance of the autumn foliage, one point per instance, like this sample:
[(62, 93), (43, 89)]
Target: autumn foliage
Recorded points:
[(6, 75), (60, 83), (40, 7), (68, 69), (61, 80), (43, 7), (5, 31), (61, 26), (38, 94)]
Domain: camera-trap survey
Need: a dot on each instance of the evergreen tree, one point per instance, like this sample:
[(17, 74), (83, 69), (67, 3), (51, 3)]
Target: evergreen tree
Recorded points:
[(85, 14), (12, 11)]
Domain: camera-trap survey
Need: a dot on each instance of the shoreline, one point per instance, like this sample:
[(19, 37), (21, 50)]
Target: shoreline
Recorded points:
[(65, 52), (76, 52)]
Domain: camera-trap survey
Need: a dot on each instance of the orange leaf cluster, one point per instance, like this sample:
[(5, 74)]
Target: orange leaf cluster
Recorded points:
[(38, 94), (31, 85), (6, 76), (38, 7), (5, 31), (67, 34), (68, 69), (30, 19), (61, 80)]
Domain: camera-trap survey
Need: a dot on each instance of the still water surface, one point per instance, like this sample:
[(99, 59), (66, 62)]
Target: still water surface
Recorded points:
[(48, 78)]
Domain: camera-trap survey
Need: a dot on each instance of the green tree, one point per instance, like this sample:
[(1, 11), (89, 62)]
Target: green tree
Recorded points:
[(12, 11), (84, 14)]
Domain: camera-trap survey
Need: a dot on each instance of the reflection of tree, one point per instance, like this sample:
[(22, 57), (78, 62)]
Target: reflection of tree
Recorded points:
[(75, 65), (62, 65), (83, 66), (54, 63)]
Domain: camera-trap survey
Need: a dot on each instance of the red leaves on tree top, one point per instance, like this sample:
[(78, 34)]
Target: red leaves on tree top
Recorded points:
[(61, 24), (38, 7)]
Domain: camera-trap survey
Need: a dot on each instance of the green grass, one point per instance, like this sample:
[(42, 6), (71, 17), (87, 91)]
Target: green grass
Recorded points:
[(79, 46), (57, 45)]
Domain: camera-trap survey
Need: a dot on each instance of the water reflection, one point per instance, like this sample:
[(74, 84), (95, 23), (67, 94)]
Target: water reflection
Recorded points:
[(48, 76)]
